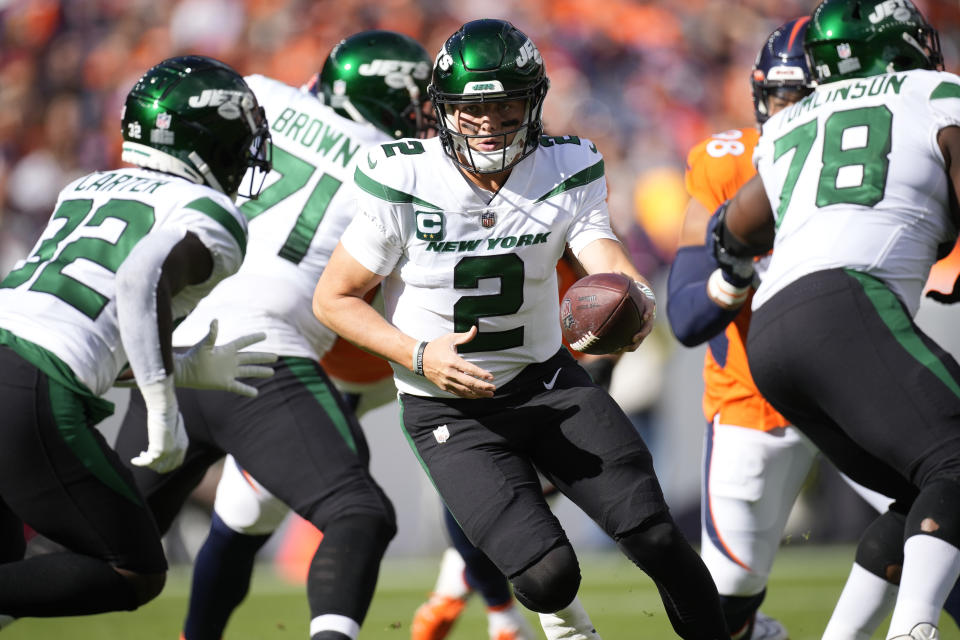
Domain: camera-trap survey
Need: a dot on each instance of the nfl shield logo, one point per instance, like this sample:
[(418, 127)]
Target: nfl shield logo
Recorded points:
[(843, 50), (488, 219), (163, 121)]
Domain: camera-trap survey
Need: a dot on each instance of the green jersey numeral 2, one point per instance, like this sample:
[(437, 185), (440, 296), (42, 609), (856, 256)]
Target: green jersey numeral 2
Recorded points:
[(468, 310)]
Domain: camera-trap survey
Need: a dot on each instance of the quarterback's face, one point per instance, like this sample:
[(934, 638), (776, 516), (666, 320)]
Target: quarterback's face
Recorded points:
[(494, 118)]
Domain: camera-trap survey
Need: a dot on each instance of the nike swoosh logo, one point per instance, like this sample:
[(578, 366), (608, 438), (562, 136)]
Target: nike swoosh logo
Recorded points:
[(593, 147), (372, 163), (549, 385)]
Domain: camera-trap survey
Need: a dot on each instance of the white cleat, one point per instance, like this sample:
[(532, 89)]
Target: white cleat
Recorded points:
[(767, 628), (570, 623), (922, 631), (509, 624)]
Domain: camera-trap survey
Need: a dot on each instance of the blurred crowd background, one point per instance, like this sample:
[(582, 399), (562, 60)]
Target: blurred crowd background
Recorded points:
[(645, 80)]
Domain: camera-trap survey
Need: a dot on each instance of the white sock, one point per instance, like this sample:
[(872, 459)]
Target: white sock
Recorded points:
[(333, 622), (509, 617), (570, 623), (865, 602), (6, 621), (930, 569), (450, 581)]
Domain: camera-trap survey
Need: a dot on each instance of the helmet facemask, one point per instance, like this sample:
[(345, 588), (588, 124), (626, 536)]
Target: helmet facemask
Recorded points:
[(525, 133), (257, 153), (488, 62)]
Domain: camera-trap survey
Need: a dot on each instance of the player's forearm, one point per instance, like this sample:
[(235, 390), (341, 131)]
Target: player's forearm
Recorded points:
[(609, 256), (355, 320), (748, 226), (143, 308), (694, 316)]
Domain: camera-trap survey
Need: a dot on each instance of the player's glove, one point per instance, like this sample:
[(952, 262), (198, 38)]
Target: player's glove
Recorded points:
[(946, 298), (207, 366), (729, 285), (166, 435)]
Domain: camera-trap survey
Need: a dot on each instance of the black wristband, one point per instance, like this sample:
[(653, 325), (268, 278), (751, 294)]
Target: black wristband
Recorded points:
[(418, 357)]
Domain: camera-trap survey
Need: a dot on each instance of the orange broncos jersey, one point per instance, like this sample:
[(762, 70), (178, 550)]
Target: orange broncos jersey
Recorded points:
[(716, 169)]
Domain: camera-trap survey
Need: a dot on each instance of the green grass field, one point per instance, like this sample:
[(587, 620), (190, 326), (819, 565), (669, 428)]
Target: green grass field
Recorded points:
[(621, 600)]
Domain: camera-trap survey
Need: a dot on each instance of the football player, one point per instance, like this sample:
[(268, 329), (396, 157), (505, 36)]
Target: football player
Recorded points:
[(464, 569), (745, 506), (464, 232), (298, 438), (856, 193), (125, 254), (754, 461)]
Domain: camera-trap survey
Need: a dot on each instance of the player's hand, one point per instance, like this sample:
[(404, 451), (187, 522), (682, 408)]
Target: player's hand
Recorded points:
[(167, 440), (208, 366), (444, 367), (649, 315), (946, 298)]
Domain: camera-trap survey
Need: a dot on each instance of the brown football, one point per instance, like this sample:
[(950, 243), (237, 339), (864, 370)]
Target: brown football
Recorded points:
[(601, 313)]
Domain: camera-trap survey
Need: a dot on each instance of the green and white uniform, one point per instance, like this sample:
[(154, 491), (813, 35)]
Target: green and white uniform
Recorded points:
[(62, 350), (856, 180), (294, 226), (62, 297), (296, 437), (455, 258)]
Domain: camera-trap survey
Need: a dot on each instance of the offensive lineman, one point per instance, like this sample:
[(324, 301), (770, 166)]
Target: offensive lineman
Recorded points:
[(126, 253), (857, 194), (298, 438), (464, 231)]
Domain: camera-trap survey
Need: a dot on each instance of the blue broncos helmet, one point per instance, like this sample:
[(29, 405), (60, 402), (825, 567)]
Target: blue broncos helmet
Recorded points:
[(781, 67)]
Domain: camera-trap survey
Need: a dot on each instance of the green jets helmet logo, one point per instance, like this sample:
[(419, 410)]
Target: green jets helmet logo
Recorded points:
[(429, 225)]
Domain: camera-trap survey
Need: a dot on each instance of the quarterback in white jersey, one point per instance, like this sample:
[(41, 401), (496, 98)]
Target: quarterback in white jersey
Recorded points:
[(464, 232), (297, 437), (126, 253), (857, 193)]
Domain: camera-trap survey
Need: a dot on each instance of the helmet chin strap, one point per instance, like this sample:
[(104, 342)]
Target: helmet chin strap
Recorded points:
[(205, 171)]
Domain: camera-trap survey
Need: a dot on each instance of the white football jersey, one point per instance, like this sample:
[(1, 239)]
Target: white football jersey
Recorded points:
[(63, 296), (856, 180), (454, 260), (294, 226)]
